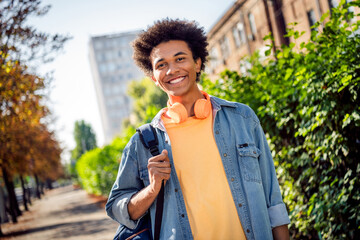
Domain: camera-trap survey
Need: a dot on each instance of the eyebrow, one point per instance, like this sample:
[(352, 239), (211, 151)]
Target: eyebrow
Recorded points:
[(175, 55)]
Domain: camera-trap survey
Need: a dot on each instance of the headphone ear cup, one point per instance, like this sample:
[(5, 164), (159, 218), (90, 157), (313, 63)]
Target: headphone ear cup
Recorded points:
[(202, 108), (177, 112)]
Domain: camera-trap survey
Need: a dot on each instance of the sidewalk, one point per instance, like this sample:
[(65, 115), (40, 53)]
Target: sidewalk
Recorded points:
[(63, 213)]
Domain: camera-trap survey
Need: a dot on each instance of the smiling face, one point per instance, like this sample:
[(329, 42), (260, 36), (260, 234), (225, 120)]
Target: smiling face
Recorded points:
[(174, 68)]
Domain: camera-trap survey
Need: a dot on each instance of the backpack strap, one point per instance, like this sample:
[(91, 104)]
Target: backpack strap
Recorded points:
[(150, 141), (149, 138)]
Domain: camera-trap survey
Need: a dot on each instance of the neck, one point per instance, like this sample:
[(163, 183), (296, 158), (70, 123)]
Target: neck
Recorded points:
[(188, 101)]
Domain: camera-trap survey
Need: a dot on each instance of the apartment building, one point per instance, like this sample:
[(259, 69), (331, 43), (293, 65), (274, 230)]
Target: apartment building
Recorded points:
[(240, 31), (112, 69)]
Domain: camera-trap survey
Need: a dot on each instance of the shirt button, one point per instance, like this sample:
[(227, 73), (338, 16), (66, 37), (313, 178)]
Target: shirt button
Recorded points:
[(225, 154), (176, 190), (240, 205), (232, 179), (254, 152), (217, 132), (182, 215), (247, 230)]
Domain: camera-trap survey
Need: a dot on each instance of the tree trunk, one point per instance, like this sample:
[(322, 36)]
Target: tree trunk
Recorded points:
[(24, 193), (29, 195), (11, 197), (37, 187), (49, 184), (42, 188)]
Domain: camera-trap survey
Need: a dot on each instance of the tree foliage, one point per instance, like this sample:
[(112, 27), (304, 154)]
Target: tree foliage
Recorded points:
[(307, 100), (21, 40), (28, 147)]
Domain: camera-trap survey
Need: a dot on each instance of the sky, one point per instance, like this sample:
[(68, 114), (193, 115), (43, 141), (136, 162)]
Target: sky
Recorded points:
[(72, 95)]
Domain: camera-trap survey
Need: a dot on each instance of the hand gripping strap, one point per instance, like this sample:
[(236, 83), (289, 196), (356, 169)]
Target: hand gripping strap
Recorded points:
[(149, 139)]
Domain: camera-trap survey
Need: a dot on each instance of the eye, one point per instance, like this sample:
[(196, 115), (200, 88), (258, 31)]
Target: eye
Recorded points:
[(180, 59), (160, 65)]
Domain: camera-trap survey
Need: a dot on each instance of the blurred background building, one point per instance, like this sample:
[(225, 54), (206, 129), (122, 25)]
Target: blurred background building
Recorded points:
[(240, 31), (112, 69)]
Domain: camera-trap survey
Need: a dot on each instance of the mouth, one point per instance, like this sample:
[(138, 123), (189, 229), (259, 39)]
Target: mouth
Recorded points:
[(176, 80)]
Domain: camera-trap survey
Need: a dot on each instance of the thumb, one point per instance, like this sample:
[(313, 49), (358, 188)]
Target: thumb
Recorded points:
[(164, 152)]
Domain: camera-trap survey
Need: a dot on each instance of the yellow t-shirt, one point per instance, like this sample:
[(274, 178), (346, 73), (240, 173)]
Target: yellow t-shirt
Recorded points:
[(209, 203)]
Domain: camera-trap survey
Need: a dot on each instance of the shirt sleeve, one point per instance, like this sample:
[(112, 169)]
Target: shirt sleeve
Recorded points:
[(127, 184), (277, 211)]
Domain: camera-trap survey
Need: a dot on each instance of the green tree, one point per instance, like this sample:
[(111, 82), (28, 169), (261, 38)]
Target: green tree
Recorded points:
[(85, 139), (148, 100), (307, 100)]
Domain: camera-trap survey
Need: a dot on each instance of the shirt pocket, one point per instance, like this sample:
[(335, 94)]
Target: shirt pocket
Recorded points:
[(144, 176), (249, 162)]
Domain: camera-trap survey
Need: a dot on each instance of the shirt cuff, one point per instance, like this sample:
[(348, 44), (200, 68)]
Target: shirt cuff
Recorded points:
[(121, 213), (278, 215)]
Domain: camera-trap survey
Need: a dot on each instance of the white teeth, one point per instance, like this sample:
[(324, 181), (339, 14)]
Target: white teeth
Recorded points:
[(176, 80)]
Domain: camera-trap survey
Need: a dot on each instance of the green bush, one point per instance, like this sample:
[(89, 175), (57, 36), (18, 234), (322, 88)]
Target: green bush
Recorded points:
[(307, 100), (98, 168)]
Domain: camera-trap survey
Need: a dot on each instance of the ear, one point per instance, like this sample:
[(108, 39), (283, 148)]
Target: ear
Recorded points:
[(198, 65), (155, 81)]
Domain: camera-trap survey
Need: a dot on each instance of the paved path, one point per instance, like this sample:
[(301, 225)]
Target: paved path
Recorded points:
[(63, 213)]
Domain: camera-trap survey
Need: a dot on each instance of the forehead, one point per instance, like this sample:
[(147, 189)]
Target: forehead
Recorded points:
[(169, 49)]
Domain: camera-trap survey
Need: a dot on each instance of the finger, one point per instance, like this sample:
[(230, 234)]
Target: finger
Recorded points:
[(164, 170), (158, 177), (165, 152), (163, 156), (161, 164)]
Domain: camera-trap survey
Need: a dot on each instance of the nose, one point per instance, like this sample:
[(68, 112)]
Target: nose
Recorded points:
[(172, 69)]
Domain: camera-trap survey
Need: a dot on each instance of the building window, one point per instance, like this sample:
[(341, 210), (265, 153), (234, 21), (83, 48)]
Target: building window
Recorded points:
[(107, 90), (98, 45), (102, 68), (312, 19), (242, 32), (111, 67), (225, 49), (101, 57), (239, 34), (214, 58), (236, 36), (252, 25)]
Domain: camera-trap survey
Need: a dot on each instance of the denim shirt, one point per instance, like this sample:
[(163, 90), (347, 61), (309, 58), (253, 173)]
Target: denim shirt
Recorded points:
[(248, 165)]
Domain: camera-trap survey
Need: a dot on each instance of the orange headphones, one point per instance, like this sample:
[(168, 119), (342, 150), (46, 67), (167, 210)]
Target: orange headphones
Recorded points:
[(178, 113)]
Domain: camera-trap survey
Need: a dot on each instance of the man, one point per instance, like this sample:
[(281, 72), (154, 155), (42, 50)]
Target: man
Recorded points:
[(220, 180)]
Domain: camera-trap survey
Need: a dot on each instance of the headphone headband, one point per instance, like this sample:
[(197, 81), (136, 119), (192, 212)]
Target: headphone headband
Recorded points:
[(178, 113)]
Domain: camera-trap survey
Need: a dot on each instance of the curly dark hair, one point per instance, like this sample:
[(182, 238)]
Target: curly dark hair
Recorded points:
[(165, 30)]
